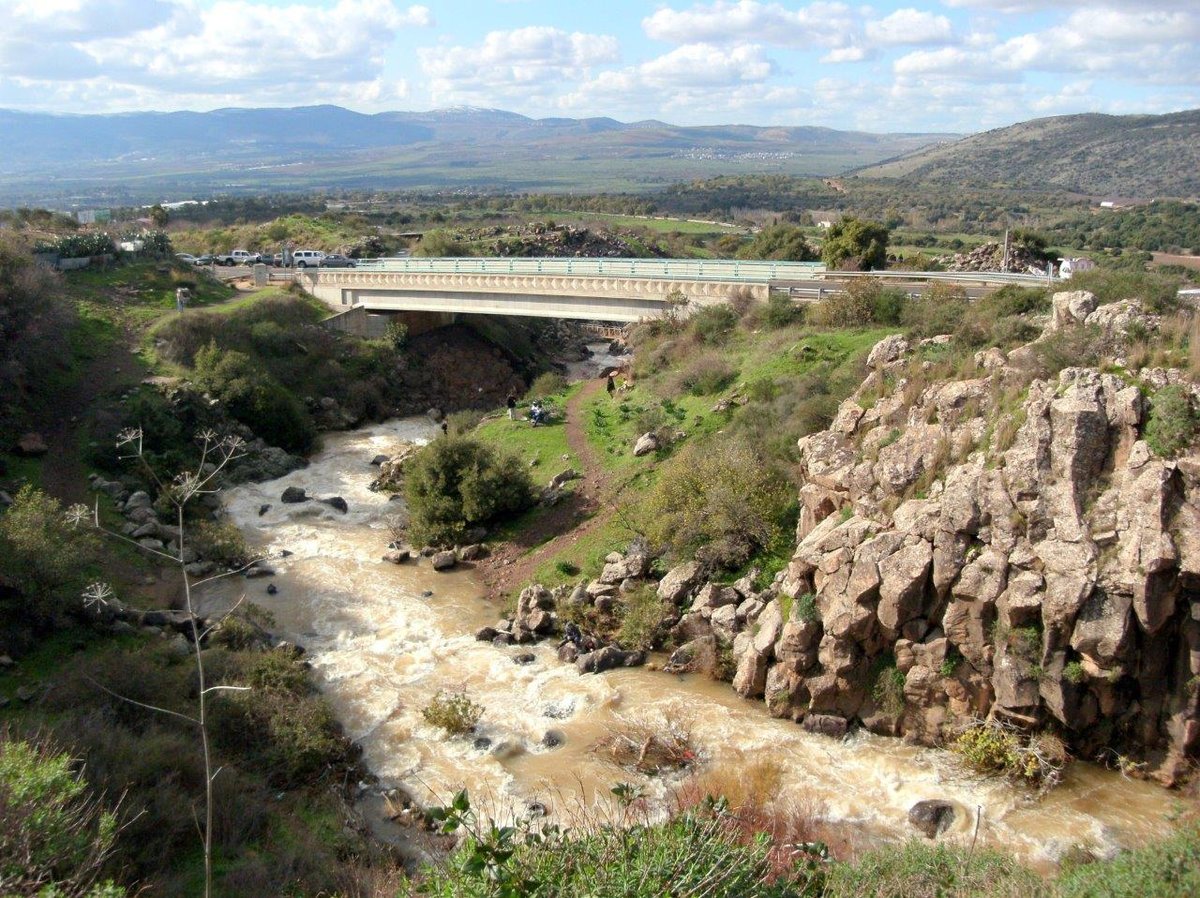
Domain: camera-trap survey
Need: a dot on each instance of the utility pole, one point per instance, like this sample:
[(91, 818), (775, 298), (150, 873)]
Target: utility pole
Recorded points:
[(1004, 264)]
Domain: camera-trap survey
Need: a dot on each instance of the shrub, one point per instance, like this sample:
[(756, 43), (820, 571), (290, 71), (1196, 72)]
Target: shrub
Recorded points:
[(705, 375), (856, 244), (252, 397), (780, 311), (714, 324), (1168, 868), (920, 870), (454, 712), (1073, 672), (779, 241), (939, 311), (888, 690), (221, 542), (642, 613), (854, 307), (993, 747), (546, 384), (54, 838), (44, 554), (723, 499), (1173, 421), (456, 483)]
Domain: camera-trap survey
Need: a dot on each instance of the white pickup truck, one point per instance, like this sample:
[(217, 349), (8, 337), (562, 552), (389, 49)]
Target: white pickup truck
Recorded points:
[(237, 257)]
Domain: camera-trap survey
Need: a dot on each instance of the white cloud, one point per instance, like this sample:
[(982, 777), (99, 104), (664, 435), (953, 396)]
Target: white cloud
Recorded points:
[(910, 27), (167, 54), (826, 24), (1149, 45), (535, 59)]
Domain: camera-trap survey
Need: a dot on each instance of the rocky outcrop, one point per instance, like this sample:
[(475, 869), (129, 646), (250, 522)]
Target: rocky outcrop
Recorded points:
[(1012, 543)]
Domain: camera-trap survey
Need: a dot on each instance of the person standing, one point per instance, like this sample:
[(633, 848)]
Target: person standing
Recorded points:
[(512, 407), (610, 386)]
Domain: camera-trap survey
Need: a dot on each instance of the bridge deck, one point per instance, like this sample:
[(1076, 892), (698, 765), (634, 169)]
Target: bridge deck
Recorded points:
[(670, 269)]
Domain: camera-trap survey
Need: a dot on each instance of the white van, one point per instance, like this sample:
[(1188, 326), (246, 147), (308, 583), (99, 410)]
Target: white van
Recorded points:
[(307, 258)]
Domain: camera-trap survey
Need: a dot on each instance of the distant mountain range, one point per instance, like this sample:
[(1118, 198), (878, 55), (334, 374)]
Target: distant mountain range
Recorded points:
[(82, 160), (143, 156), (1127, 156)]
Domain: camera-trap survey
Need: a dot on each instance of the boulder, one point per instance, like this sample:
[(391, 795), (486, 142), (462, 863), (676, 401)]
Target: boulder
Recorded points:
[(831, 725), (751, 677), (645, 444), (696, 656), (397, 556), (559, 480), (294, 495), (608, 658), (443, 561), (633, 566), (1070, 308), (932, 816), (337, 503), (31, 445), (472, 552), (680, 582), (379, 460), (889, 349)]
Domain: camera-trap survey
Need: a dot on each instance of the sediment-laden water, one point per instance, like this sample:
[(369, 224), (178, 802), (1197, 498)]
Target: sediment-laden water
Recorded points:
[(381, 650)]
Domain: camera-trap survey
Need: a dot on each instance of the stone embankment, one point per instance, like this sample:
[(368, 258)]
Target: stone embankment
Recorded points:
[(1000, 546)]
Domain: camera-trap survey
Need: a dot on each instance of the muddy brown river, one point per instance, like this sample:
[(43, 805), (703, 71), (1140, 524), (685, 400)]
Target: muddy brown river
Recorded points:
[(381, 650)]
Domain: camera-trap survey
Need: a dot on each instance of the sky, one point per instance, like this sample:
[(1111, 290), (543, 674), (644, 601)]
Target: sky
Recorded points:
[(920, 65)]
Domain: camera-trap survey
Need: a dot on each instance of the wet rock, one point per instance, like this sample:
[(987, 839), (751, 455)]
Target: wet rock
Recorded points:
[(503, 640), (482, 743), (932, 817), (444, 561), (337, 503), (608, 658), (272, 589), (397, 556), (524, 658), (568, 653), (264, 508), (425, 594), (486, 634), (258, 570), (536, 809), (294, 495), (830, 725), (379, 460), (554, 739)]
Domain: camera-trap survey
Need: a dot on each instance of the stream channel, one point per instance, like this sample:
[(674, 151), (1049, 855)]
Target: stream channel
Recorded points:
[(381, 649)]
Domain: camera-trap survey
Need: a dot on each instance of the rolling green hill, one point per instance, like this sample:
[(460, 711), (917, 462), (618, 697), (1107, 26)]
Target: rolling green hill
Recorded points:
[(1130, 156)]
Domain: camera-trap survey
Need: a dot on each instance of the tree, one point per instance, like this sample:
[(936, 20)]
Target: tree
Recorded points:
[(856, 244), (159, 215)]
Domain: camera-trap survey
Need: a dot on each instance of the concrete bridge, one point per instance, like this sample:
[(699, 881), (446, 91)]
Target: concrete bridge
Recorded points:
[(587, 289)]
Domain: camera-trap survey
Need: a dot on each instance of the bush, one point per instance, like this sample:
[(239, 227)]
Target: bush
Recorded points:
[(919, 870), (1162, 869), (252, 397), (550, 383), (779, 241), (221, 542), (44, 554), (722, 501), (780, 311), (54, 838), (454, 712), (706, 374), (856, 244), (456, 483), (1173, 421), (888, 690), (642, 613), (714, 324)]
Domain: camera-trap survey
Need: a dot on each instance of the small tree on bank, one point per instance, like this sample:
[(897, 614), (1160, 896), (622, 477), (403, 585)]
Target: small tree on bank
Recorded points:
[(456, 483), (856, 244)]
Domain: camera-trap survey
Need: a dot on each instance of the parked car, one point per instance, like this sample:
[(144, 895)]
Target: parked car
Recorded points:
[(237, 257), (307, 258), (186, 258), (206, 259), (337, 261)]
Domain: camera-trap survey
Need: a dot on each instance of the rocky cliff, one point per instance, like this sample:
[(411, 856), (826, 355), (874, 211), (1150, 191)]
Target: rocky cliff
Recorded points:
[(993, 546)]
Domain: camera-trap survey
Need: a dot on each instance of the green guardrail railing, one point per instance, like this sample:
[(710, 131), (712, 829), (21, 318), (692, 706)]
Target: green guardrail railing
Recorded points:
[(673, 269)]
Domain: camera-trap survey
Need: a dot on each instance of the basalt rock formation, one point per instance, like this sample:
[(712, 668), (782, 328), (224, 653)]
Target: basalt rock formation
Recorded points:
[(995, 546)]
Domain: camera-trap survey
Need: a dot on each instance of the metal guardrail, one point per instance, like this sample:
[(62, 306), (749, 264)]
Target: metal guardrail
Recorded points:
[(674, 269)]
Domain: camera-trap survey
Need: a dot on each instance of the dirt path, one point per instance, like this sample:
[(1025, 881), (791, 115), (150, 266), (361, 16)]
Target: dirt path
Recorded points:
[(116, 368), (513, 563)]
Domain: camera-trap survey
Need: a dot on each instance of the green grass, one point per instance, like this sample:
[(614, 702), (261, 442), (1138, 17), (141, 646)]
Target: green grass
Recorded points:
[(50, 655), (662, 225), (547, 443)]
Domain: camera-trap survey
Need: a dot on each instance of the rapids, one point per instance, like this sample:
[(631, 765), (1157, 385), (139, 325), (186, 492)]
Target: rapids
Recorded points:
[(381, 650)]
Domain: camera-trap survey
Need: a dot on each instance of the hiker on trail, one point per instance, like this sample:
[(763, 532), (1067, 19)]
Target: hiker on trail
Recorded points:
[(512, 407), (610, 386)]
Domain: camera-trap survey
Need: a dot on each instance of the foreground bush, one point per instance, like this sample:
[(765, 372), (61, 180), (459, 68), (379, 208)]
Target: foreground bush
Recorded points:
[(921, 870), (456, 483), (54, 838), (44, 555)]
